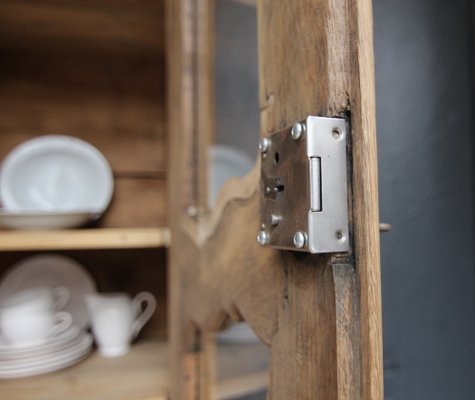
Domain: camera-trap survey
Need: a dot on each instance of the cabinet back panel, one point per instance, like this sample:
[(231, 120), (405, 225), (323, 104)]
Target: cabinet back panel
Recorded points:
[(93, 69)]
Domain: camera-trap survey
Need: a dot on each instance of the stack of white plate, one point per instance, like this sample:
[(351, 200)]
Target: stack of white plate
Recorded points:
[(57, 352), (66, 348), (53, 182)]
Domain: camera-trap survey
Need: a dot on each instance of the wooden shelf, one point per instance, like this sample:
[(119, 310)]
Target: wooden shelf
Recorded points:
[(84, 239), (140, 375)]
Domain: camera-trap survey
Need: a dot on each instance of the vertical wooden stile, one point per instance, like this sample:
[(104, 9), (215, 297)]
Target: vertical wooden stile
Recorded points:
[(191, 125)]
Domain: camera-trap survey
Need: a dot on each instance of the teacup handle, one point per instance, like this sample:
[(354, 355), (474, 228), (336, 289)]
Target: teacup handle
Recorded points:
[(61, 297), (62, 321), (150, 303)]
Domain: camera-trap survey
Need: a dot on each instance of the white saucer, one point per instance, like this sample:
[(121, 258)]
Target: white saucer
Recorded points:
[(47, 363), (52, 270), (56, 173), (34, 220)]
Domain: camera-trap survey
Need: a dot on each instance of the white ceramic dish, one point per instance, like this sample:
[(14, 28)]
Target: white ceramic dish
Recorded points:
[(56, 173), (225, 162), (52, 270), (53, 344), (67, 354), (47, 220), (53, 362)]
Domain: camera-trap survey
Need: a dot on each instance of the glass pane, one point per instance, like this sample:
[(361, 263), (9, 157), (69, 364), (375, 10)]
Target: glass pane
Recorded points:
[(236, 85)]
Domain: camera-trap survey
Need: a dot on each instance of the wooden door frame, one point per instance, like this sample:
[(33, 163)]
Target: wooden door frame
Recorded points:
[(320, 314)]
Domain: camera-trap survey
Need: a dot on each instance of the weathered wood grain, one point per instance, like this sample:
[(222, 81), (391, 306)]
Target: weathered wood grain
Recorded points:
[(116, 104), (127, 27), (329, 73), (320, 314), (190, 105), (137, 202)]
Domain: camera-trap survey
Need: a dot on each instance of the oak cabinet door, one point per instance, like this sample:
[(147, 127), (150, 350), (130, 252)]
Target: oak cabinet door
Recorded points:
[(320, 314)]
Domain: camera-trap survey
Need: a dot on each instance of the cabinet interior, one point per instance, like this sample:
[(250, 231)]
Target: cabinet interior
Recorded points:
[(95, 69)]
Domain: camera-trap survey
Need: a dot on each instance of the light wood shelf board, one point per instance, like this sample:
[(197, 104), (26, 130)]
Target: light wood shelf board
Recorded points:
[(84, 239), (142, 374)]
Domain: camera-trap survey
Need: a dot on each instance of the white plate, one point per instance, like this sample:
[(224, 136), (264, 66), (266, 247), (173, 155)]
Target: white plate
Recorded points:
[(31, 220), (59, 360), (56, 173), (65, 352), (225, 162), (52, 270), (65, 339)]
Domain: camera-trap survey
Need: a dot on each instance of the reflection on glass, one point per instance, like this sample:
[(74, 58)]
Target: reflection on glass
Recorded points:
[(242, 360), (237, 101)]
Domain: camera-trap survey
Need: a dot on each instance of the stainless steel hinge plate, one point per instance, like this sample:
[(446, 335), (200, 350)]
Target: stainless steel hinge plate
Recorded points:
[(304, 195)]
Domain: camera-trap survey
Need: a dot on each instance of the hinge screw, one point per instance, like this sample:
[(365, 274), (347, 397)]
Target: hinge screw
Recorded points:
[(300, 239), (297, 131), (264, 145), (262, 237)]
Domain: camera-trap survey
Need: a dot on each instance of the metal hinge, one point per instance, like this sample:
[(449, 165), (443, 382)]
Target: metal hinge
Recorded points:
[(304, 196)]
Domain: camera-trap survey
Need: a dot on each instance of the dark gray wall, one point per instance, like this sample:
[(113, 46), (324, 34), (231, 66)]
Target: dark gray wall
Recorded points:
[(423, 78), (422, 51)]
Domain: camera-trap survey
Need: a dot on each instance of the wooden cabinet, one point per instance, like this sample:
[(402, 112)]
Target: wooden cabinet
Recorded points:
[(320, 314), (134, 78), (97, 70)]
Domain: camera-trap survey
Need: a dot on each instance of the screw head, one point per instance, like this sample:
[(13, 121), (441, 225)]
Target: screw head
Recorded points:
[(262, 237), (297, 131), (300, 239), (264, 145), (192, 211), (336, 133)]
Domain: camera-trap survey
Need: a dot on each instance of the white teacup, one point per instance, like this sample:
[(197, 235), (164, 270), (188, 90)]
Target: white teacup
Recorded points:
[(31, 328), (37, 299), (30, 316), (117, 319)]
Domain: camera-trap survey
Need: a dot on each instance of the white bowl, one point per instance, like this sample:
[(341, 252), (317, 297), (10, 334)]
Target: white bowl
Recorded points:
[(56, 173)]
